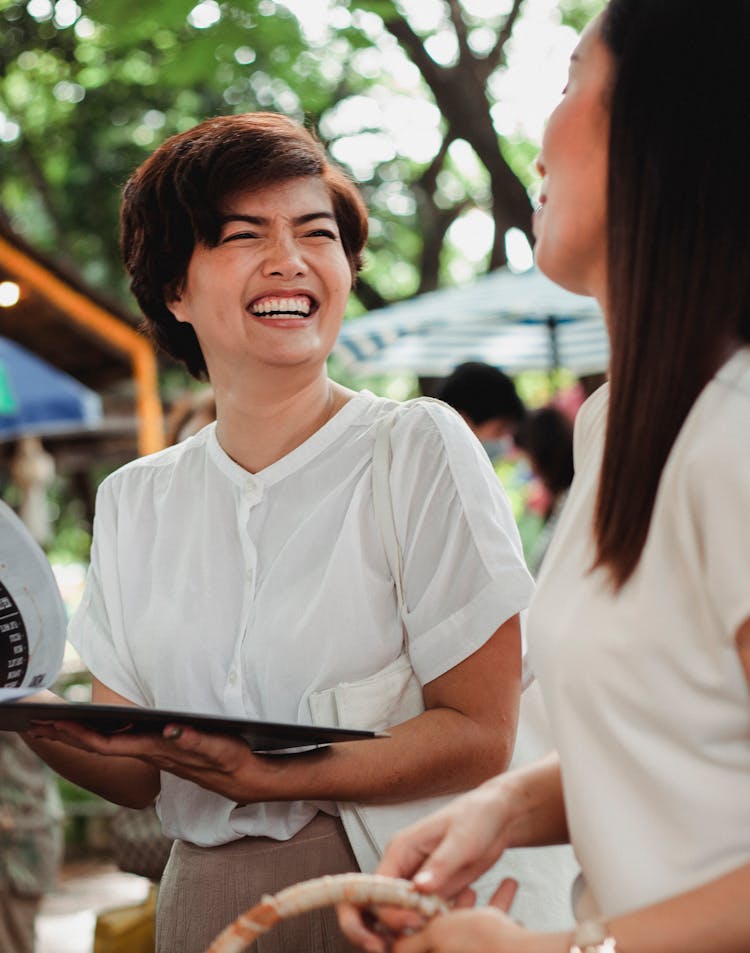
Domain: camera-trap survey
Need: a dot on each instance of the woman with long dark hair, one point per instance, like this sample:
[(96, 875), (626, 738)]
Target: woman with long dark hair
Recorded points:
[(639, 631)]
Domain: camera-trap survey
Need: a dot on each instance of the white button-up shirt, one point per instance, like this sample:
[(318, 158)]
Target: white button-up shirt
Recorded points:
[(223, 592)]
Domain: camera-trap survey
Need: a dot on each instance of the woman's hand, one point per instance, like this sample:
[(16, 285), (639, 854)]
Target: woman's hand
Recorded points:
[(447, 851), (444, 853), (218, 763), (482, 930)]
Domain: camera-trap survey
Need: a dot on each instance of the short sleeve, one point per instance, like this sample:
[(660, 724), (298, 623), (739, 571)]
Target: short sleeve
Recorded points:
[(463, 566), (718, 481), (96, 629), (590, 426)]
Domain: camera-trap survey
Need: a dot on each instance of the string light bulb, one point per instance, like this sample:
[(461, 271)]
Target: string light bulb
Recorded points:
[(9, 294)]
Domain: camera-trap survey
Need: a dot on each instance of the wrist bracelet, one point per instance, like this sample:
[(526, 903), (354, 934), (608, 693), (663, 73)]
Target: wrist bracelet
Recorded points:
[(592, 936)]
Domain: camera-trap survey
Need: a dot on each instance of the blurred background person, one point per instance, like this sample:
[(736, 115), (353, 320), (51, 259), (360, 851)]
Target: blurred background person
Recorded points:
[(545, 438), (487, 400), (31, 841)]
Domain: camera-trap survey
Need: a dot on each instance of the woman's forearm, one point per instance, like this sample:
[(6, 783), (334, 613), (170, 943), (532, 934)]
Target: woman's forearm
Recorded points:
[(713, 918), (125, 781), (122, 780), (465, 735), (535, 802), (440, 752)]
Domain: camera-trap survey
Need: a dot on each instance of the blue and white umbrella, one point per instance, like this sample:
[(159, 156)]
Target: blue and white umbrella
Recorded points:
[(37, 399), (517, 322)]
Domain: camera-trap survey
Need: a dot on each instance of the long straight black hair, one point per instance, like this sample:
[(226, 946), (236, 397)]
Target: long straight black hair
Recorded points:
[(678, 240)]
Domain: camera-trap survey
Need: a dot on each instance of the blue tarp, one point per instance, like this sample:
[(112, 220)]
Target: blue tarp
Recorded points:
[(38, 399)]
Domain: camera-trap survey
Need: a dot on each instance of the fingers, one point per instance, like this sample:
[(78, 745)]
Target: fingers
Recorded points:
[(411, 852), (404, 856), (178, 745), (70, 733), (421, 942), (379, 929), (445, 871), (352, 923), (505, 894), (466, 898), (396, 920)]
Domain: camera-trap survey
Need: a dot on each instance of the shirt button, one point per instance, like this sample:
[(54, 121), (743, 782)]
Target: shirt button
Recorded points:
[(232, 677), (250, 575), (253, 490)]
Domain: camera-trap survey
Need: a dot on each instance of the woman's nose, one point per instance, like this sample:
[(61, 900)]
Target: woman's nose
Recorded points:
[(284, 257)]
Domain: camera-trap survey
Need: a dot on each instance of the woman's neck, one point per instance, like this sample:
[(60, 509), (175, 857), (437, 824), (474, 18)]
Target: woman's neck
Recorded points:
[(257, 426)]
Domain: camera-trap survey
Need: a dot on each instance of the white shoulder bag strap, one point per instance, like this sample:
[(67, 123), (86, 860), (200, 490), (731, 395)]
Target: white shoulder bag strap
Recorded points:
[(382, 501)]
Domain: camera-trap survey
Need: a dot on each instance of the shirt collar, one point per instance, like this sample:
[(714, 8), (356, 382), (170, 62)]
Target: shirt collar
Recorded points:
[(297, 458)]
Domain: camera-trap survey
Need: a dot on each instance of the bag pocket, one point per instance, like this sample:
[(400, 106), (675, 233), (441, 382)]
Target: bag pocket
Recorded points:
[(380, 701)]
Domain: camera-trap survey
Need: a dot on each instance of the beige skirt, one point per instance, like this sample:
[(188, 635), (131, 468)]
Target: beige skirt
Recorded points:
[(204, 888)]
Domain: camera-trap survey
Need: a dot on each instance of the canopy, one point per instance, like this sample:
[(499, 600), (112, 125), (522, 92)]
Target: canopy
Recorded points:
[(37, 399), (513, 321)]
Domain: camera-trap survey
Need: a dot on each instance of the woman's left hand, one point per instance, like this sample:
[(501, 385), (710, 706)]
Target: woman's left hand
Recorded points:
[(480, 930), (477, 930)]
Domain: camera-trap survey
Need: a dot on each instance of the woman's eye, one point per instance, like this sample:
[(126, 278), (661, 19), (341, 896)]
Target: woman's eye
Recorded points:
[(322, 233), (238, 235)]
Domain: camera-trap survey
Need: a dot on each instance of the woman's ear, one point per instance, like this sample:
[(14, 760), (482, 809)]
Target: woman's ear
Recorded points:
[(173, 301), (177, 310)]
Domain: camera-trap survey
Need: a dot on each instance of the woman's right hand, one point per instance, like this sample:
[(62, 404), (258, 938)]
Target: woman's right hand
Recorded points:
[(447, 851), (444, 853)]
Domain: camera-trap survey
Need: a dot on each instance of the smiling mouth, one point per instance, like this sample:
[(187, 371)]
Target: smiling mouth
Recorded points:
[(275, 306)]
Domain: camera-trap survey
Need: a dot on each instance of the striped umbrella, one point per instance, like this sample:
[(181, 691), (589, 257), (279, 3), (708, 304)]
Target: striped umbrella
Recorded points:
[(513, 321)]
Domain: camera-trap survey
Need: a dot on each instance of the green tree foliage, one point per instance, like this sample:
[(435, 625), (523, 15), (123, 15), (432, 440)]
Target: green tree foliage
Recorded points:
[(85, 102), (577, 13), (87, 89)]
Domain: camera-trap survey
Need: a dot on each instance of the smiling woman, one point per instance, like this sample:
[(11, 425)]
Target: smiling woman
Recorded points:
[(267, 585), (274, 288)]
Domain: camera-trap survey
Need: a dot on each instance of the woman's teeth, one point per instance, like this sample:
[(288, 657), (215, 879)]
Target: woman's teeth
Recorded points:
[(282, 307)]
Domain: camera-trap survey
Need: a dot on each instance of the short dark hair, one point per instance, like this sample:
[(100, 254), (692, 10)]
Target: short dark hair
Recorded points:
[(546, 435), (677, 242), (174, 200), (481, 392)]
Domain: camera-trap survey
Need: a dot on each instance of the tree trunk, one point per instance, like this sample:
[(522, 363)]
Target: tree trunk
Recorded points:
[(460, 94)]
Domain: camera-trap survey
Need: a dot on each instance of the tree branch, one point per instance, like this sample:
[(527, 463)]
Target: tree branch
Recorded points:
[(433, 74), (496, 55), (428, 179), (369, 296), (462, 34), (439, 221)]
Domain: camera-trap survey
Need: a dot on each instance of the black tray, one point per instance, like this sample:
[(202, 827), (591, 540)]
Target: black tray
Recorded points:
[(119, 719)]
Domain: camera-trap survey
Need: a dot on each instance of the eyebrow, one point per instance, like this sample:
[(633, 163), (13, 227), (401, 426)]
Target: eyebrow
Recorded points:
[(260, 220)]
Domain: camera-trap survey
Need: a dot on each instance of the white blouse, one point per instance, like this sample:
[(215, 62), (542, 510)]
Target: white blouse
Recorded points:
[(648, 701), (215, 590)]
